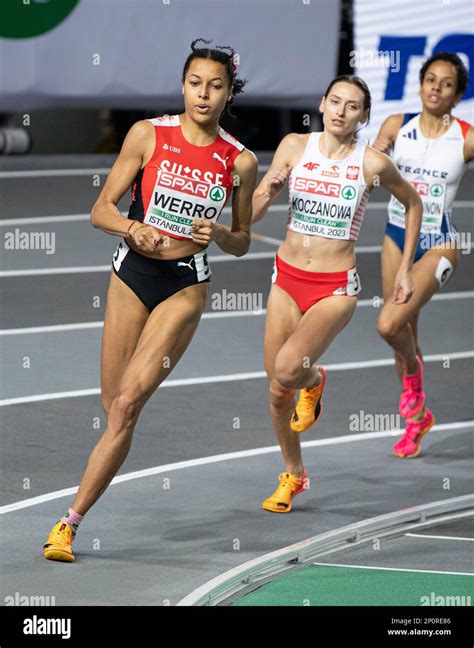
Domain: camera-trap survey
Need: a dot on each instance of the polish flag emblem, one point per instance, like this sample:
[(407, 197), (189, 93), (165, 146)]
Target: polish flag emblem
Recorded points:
[(352, 172)]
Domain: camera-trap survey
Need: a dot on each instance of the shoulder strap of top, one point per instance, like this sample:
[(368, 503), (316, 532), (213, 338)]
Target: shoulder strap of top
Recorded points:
[(311, 148), (358, 155), (465, 126), (230, 139), (407, 117), (166, 120)]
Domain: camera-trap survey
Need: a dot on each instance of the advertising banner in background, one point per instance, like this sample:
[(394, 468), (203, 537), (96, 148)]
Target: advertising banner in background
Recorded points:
[(130, 53), (408, 33)]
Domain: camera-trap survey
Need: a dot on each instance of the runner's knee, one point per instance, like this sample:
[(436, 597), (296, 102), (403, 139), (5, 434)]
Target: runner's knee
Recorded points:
[(388, 328), (106, 404), (289, 371), (124, 410), (280, 396)]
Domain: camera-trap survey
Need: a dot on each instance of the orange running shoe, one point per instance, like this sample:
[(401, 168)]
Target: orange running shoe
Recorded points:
[(59, 543), (288, 488), (309, 407)]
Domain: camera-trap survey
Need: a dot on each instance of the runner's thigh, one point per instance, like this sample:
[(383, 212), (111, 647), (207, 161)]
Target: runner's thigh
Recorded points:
[(166, 335), (316, 330), (125, 318), (281, 321), (425, 283)]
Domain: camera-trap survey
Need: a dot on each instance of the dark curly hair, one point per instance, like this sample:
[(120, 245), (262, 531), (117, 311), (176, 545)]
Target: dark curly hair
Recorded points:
[(220, 56), (454, 59)]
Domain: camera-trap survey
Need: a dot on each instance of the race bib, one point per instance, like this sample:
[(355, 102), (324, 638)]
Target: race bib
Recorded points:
[(353, 286), (275, 272), (353, 282), (433, 196), (322, 207), (177, 200)]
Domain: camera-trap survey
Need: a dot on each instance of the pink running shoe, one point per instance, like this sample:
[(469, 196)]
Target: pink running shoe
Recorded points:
[(413, 396), (409, 445)]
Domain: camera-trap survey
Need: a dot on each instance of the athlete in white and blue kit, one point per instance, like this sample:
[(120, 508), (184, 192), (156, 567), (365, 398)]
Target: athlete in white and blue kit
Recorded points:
[(431, 150)]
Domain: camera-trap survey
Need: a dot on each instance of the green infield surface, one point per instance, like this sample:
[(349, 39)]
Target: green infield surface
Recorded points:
[(321, 584)]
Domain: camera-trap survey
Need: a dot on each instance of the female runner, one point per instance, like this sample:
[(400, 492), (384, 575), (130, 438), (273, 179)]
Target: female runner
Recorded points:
[(315, 281), (431, 150), (182, 168)]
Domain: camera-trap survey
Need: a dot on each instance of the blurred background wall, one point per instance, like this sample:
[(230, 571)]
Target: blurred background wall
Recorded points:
[(76, 74)]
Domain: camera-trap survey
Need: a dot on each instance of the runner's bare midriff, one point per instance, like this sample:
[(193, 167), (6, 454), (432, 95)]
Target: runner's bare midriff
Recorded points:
[(169, 248), (317, 254)]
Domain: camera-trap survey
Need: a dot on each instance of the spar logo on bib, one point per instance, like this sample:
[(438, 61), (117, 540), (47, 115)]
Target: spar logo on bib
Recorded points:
[(216, 193), (437, 190), (348, 192), (320, 187), (422, 188), (182, 184)]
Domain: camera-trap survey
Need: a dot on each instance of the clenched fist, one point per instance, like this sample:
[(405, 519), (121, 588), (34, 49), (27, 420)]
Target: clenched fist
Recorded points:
[(276, 179), (383, 144), (203, 231), (145, 237)]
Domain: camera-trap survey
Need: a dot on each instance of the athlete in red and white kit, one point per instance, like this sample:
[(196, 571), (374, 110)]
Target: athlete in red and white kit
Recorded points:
[(315, 281), (182, 169)]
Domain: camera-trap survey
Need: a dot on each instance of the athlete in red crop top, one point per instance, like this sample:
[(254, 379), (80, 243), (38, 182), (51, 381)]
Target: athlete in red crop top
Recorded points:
[(315, 282), (181, 169)]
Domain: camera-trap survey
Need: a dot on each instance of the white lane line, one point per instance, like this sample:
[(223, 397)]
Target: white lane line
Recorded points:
[(228, 456), (422, 571), (55, 328), (51, 173), (367, 249), (461, 204), (71, 218), (266, 239), (37, 220), (359, 249), (216, 258), (250, 256), (447, 296), (54, 271), (34, 272), (422, 525), (204, 380), (438, 537), (76, 326)]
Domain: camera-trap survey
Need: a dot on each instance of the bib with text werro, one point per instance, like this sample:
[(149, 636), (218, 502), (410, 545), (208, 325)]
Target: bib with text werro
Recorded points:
[(433, 196), (177, 200)]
